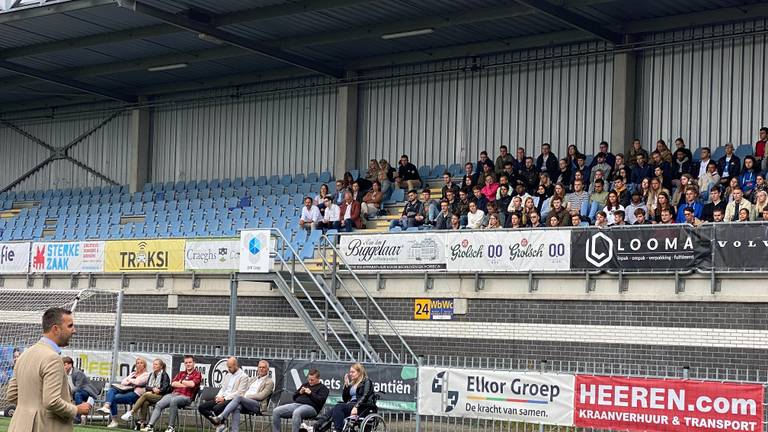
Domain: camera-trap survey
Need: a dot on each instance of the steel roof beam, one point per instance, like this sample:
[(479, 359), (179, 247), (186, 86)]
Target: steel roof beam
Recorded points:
[(64, 81), (573, 19), (260, 48), (50, 8), (695, 19)]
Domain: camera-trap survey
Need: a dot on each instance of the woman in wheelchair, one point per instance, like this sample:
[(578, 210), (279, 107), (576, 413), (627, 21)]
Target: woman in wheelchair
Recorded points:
[(357, 397)]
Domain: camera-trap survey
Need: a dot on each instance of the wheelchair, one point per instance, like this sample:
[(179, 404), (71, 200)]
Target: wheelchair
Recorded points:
[(369, 419)]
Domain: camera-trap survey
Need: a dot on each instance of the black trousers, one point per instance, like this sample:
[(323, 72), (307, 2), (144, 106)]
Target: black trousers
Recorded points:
[(210, 409)]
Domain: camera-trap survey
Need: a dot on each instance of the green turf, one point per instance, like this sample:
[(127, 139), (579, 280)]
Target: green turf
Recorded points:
[(4, 427)]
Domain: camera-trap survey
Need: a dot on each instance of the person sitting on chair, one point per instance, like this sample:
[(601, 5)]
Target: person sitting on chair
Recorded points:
[(235, 383), (307, 402), (79, 384), (356, 396), (185, 387), (158, 385), (127, 392), (254, 401)]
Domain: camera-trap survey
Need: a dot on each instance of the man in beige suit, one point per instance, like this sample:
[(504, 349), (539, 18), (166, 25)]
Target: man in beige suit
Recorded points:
[(254, 401), (39, 386), (234, 384)]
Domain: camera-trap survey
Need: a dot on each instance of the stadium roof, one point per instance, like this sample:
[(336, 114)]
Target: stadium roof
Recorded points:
[(66, 51)]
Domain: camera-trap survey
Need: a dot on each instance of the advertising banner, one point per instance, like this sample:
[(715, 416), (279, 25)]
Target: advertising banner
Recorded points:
[(254, 251), (14, 257), (98, 364), (497, 395), (658, 247), (623, 403), (740, 246), (212, 255), (433, 309), (401, 252), (68, 257), (398, 383), (123, 256), (508, 251)]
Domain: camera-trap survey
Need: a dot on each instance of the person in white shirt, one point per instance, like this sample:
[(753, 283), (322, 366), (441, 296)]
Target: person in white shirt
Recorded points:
[(235, 383), (331, 217), (703, 162), (254, 401), (475, 216), (310, 215), (612, 205)]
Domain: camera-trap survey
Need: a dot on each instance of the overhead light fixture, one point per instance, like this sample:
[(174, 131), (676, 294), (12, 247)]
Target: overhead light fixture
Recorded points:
[(408, 33), (208, 38), (167, 67)]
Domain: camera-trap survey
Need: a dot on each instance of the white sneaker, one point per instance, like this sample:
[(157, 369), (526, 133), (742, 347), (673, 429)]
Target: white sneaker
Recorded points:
[(113, 424), (170, 429), (104, 410), (221, 428), (148, 428), (127, 416)]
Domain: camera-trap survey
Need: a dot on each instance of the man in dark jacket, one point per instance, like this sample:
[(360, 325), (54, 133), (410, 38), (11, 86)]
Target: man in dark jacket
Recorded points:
[(408, 173), (308, 401), (79, 384), (729, 165), (443, 221), (547, 161), (530, 175)]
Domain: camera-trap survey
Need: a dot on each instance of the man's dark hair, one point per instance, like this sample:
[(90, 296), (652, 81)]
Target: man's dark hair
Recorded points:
[(314, 372), (716, 188), (618, 177), (189, 356), (689, 210), (764, 129), (483, 153), (54, 316), (605, 143), (503, 147), (600, 181), (447, 173), (639, 211), (404, 157), (67, 360), (620, 213), (581, 157)]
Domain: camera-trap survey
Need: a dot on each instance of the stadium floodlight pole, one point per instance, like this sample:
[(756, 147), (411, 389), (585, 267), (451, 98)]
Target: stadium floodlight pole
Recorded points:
[(257, 47), (232, 337)]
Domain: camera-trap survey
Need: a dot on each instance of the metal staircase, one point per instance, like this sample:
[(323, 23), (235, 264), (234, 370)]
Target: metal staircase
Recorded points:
[(313, 297)]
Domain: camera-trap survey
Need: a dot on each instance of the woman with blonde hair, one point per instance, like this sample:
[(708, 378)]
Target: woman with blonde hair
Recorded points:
[(127, 392), (158, 385), (356, 396), (761, 201)]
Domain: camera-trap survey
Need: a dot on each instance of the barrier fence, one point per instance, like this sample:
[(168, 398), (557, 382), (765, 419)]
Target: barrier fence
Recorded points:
[(719, 247)]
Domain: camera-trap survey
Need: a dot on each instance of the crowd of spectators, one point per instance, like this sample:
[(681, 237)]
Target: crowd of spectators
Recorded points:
[(510, 191)]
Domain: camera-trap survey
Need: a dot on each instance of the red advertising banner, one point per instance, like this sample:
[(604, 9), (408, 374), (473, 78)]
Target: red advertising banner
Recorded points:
[(640, 404)]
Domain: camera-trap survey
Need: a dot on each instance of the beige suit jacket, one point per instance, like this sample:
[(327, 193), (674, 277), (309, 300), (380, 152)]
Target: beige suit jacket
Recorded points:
[(40, 390), (263, 393)]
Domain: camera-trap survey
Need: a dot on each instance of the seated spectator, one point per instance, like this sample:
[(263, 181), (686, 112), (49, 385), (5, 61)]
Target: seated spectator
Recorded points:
[(718, 216), (748, 176), (636, 204), (408, 173), (680, 147), (708, 179), (760, 183), (743, 215), (541, 194), (371, 175), (348, 180), (508, 172), (479, 199), (468, 186), (636, 150), (234, 384), (666, 154), (658, 161), (185, 386), (599, 195), (255, 400), (611, 206), (602, 166), (431, 207), (349, 214), (493, 208), (598, 176), (581, 169), (356, 396), (618, 166), (658, 173), (453, 201), (534, 219), (310, 215), (475, 217), (666, 217), (641, 170), (645, 188), (553, 221), (449, 185), (764, 215), (691, 201), (158, 385), (571, 153), (520, 191), (760, 149), (618, 218), (708, 211), (601, 219), (656, 190), (128, 392), (515, 206), (340, 189), (483, 165), (734, 207), (661, 204), (387, 168), (621, 189), (686, 181), (640, 217), (575, 220), (469, 173), (560, 192), (564, 174), (515, 221), (519, 160), (702, 166), (547, 161), (319, 199), (681, 165), (462, 207), (443, 220), (386, 185), (557, 210), (330, 217), (689, 217), (578, 197), (455, 222), (503, 158), (308, 401), (357, 192), (761, 202), (733, 184), (529, 175), (79, 384), (490, 188), (505, 197), (371, 206), (728, 166), (413, 213), (482, 177), (528, 207)]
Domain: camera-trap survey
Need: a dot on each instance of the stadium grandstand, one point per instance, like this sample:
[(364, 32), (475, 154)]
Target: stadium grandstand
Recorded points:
[(517, 214)]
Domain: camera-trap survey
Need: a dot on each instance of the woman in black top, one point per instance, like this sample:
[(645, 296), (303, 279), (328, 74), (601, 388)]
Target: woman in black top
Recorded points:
[(356, 396)]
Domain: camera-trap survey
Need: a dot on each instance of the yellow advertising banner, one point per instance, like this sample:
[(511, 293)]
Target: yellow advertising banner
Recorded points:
[(124, 256)]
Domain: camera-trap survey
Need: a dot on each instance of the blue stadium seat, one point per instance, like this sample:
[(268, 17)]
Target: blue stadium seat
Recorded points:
[(743, 150), (312, 178), (298, 178), (325, 177), (398, 195), (214, 184), (261, 181), (425, 171), (437, 171), (274, 180), (226, 183), (718, 153), (355, 173), (286, 180), (249, 182), (237, 182)]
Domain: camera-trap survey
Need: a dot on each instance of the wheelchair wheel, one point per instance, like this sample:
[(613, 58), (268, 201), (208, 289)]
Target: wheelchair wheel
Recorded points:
[(373, 423)]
